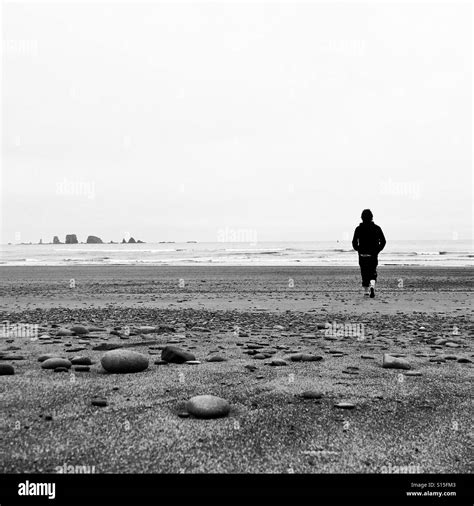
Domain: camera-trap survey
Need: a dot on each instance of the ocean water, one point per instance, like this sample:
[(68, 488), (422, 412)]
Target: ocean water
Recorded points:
[(332, 253)]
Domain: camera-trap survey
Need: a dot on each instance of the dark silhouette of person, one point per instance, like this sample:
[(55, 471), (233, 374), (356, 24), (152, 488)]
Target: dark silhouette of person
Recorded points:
[(368, 241)]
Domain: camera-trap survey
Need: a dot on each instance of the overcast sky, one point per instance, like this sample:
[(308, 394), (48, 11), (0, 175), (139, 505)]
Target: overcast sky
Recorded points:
[(176, 120)]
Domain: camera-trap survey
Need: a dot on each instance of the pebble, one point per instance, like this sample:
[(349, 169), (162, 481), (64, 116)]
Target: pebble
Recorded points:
[(413, 373), (75, 349), (259, 356), (176, 355), (6, 370), (216, 358), (367, 357), (124, 361), (61, 369), (345, 405), (81, 361), (13, 357), (207, 406), (251, 367), (192, 362), (82, 368), (42, 358), (452, 345), (464, 360), (64, 332), (79, 330), (390, 362), (99, 402), (161, 362), (278, 362), (54, 363), (307, 357), (311, 394)]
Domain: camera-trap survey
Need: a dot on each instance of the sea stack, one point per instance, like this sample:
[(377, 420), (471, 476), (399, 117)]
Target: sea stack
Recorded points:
[(56, 240), (92, 239), (131, 241), (71, 239)]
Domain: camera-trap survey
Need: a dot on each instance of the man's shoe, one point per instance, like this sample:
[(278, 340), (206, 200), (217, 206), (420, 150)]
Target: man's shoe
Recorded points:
[(372, 288)]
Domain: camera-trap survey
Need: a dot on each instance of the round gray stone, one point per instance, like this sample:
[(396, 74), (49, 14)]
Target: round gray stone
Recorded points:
[(207, 406), (124, 361), (53, 363)]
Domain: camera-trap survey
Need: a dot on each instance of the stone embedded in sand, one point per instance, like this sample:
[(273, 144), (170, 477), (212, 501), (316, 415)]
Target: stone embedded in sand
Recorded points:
[(344, 405), (107, 346), (176, 355), (250, 367), (452, 345), (390, 362), (278, 362), (82, 368), (207, 406), (216, 358), (42, 358), (61, 369), (413, 373), (79, 330), (99, 401), (259, 356), (297, 357), (54, 363), (6, 370), (311, 394), (307, 357), (464, 360), (64, 332), (192, 362), (124, 361), (81, 361), (278, 327)]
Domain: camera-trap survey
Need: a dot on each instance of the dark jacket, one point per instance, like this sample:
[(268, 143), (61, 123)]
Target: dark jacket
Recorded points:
[(368, 239)]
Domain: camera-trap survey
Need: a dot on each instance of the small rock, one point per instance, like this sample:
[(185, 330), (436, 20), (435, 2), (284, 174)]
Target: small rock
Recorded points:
[(192, 362), (124, 361), (161, 362), (207, 406), (54, 363), (176, 355), (251, 368), (464, 360), (64, 332), (307, 357), (82, 368), (99, 402), (345, 405), (81, 361), (260, 356), (413, 373), (311, 394), (61, 369), (42, 358), (390, 362), (79, 330), (278, 362), (452, 345), (216, 358), (6, 370)]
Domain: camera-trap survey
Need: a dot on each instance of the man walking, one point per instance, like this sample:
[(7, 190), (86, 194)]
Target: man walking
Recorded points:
[(368, 241)]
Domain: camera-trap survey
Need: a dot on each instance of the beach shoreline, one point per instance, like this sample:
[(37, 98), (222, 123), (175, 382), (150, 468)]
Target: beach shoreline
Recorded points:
[(397, 419)]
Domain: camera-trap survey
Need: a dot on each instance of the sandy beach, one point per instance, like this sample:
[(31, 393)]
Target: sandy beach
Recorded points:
[(250, 316)]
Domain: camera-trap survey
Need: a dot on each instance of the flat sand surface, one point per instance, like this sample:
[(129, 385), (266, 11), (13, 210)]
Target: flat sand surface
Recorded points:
[(422, 314)]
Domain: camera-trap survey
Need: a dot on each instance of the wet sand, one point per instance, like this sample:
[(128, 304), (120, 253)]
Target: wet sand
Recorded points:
[(398, 419)]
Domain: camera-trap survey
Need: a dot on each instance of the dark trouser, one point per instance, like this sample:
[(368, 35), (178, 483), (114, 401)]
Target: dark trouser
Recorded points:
[(368, 268)]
